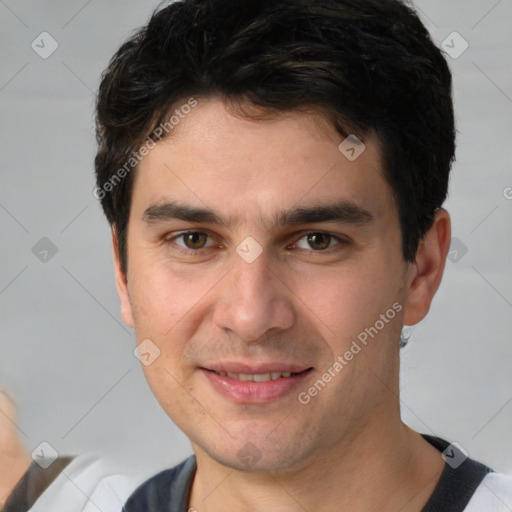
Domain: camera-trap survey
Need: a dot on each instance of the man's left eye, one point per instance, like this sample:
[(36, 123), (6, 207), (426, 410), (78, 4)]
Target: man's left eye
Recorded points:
[(317, 241)]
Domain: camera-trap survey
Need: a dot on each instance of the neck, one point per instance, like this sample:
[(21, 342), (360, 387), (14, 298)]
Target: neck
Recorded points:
[(382, 466)]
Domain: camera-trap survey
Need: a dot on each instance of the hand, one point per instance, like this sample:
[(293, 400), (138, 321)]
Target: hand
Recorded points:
[(14, 459)]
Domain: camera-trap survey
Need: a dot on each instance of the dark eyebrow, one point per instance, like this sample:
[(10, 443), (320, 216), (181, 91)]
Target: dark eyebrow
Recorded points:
[(344, 212), (169, 211)]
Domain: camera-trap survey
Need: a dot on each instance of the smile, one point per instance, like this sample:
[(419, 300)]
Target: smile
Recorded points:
[(256, 377), (259, 386)]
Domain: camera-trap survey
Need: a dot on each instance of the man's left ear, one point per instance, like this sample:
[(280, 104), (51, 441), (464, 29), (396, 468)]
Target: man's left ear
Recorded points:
[(425, 274)]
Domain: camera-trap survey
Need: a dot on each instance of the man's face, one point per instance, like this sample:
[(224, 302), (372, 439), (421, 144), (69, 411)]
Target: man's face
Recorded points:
[(293, 251)]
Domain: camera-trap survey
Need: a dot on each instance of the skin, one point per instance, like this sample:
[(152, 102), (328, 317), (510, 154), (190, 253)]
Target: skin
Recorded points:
[(294, 303), (14, 460)]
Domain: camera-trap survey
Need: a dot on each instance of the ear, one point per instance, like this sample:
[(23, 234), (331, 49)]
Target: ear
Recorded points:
[(426, 272), (122, 283)]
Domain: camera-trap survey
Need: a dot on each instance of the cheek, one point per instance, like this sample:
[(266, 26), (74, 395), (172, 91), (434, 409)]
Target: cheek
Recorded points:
[(161, 299), (349, 302), (169, 308), (343, 299), (174, 393)]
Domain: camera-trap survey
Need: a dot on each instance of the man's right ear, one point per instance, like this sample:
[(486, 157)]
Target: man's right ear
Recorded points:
[(122, 283)]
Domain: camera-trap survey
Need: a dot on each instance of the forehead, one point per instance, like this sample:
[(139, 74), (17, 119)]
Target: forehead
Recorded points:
[(217, 158)]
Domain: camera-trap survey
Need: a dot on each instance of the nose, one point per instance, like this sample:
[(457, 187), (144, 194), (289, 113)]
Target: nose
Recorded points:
[(252, 300)]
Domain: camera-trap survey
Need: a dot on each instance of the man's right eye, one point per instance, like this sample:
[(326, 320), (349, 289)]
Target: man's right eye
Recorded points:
[(191, 240)]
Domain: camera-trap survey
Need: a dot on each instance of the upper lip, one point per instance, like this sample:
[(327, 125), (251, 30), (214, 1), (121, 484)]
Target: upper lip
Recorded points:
[(254, 369)]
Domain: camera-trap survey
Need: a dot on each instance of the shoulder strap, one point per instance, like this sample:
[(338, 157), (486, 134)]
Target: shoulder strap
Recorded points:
[(167, 491), (33, 483), (456, 485)]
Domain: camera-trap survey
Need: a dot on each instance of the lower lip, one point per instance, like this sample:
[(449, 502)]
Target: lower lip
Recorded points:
[(249, 392)]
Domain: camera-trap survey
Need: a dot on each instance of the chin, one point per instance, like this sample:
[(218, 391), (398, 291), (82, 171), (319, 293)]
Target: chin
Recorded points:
[(260, 453)]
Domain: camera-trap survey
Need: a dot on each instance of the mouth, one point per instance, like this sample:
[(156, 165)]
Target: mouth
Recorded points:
[(244, 385), (256, 377)]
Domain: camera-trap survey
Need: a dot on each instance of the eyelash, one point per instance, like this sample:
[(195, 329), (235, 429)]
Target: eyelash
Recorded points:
[(328, 250)]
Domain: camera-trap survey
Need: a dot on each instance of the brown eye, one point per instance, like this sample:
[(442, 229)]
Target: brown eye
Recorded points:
[(195, 239), (319, 241)]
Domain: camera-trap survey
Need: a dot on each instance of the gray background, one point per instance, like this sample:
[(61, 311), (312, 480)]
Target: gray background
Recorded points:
[(65, 354)]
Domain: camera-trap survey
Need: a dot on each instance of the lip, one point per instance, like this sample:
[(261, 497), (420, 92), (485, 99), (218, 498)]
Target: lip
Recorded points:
[(249, 392)]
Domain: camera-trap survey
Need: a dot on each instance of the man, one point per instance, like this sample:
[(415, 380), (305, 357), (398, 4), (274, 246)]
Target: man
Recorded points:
[(274, 174)]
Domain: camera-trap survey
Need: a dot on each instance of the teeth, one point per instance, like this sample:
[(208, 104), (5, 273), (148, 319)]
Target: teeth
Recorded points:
[(261, 377), (255, 377)]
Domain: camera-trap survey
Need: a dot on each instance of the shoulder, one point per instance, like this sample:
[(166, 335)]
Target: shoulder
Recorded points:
[(494, 494), (87, 483), (166, 491)]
